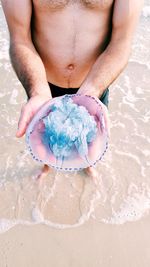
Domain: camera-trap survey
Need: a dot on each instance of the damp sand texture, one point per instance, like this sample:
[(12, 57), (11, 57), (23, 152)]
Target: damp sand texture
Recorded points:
[(66, 220)]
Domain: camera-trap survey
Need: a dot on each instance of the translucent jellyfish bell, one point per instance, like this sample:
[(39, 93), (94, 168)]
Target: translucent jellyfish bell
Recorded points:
[(68, 133)]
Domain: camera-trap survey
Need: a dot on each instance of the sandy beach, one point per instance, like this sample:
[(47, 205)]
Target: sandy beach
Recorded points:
[(91, 245), (65, 219)]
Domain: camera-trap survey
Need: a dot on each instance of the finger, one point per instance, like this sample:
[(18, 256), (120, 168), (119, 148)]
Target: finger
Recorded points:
[(24, 120)]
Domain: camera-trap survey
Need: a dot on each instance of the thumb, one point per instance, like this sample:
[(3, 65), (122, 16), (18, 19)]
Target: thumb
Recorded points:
[(24, 120)]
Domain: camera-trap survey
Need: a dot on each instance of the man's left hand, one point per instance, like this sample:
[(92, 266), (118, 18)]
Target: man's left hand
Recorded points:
[(91, 90)]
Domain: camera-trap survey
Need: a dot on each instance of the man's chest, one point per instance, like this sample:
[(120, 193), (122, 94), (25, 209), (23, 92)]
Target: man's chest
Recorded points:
[(55, 4)]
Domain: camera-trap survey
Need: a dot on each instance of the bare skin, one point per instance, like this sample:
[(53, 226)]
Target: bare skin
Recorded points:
[(70, 43)]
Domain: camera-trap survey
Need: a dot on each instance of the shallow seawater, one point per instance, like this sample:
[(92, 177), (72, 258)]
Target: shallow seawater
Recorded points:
[(64, 200)]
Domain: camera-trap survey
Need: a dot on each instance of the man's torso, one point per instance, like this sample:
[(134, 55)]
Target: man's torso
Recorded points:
[(69, 35)]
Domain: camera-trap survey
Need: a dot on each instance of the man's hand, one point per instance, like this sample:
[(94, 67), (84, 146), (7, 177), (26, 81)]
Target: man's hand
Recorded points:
[(89, 89), (29, 110)]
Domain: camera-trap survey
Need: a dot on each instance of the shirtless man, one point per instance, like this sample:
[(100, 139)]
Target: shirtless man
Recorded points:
[(59, 46)]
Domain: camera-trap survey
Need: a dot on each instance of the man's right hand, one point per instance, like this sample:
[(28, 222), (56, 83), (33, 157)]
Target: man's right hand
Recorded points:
[(29, 110)]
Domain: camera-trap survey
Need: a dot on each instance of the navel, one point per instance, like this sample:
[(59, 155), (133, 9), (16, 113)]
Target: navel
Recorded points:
[(71, 67)]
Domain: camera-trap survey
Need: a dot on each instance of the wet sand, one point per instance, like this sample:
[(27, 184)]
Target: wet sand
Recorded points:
[(65, 219), (91, 245)]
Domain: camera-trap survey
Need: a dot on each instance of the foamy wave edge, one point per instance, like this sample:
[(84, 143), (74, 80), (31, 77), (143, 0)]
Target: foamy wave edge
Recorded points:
[(6, 224), (146, 11), (116, 219)]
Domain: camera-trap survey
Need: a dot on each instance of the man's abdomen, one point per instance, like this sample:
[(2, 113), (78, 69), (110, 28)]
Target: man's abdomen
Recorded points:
[(69, 43)]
